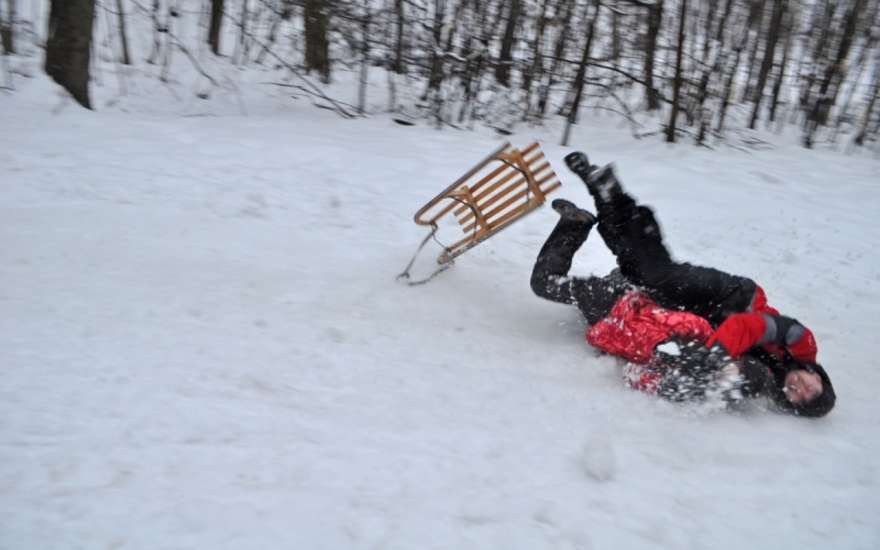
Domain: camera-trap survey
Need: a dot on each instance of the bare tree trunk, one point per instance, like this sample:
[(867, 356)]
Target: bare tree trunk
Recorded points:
[(7, 28), (756, 21), (866, 51), (536, 67), (676, 85), (558, 53), (728, 87), (709, 34), (767, 63), (166, 30), (655, 20), (777, 84), (242, 49), (866, 118), (317, 55), (440, 49), (818, 53), (819, 113), (157, 34), (581, 76), (436, 76), (709, 71), (286, 12), (123, 35), (505, 58), (215, 26), (615, 38), (68, 47), (398, 67), (365, 59), (476, 61)]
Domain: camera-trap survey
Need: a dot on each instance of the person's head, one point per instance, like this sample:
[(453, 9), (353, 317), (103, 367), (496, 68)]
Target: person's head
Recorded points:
[(807, 390), (802, 386)]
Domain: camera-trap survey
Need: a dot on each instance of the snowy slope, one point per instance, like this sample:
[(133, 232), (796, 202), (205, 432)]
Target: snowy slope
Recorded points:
[(203, 344)]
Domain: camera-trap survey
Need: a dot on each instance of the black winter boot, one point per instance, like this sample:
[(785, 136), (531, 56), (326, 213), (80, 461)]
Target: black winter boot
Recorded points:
[(569, 211), (601, 182), (579, 163)]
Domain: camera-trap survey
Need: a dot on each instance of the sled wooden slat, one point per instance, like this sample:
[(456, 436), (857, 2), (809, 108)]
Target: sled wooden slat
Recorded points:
[(502, 222), (504, 216), (503, 167), (530, 161), (494, 212), (468, 214), (488, 189), (489, 198), (514, 200), (453, 190)]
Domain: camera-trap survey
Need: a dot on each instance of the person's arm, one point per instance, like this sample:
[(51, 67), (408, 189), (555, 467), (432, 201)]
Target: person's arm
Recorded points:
[(743, 331), (699, 373)]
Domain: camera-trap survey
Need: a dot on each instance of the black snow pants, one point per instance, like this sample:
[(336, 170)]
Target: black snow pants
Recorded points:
[(631, 232), (594, 296)]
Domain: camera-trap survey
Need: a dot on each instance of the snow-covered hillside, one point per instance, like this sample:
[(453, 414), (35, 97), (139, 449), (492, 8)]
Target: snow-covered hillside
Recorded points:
[(202, 344)]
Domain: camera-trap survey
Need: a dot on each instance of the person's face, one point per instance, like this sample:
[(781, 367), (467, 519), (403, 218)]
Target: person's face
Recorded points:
[(802, 386)]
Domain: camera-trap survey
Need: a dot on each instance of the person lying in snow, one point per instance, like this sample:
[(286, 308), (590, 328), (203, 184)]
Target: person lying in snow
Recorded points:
[(659, 314)]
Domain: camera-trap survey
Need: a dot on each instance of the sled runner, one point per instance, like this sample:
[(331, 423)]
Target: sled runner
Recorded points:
[(499, 190)]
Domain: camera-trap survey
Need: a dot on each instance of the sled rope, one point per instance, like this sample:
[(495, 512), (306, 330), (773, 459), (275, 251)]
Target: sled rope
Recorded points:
[(433, 235), (405, 274)]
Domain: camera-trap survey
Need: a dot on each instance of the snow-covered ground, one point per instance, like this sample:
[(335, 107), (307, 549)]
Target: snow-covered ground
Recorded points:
[(203, 345)]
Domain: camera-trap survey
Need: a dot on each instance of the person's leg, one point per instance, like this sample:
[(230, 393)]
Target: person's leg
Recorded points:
[(632, 233), (629, 230), (594, 296)]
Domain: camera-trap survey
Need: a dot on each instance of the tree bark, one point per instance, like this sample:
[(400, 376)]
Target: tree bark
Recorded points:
[(68, 48), (818, 52), (777, 85), (123, 35), (756, 21), (655, 19), (365, 58), (866, 51), (819, 113), (477, 60), (676, 85), (286, 12), (436, 75), (866, 118), (157, 34), (558, 53), (708, 71), (767, 63), (242, 49), (398, 67), (7, 29), (581, 76), (536, 66), (317, 55), (216, 26), (728, 87), (505, 58)]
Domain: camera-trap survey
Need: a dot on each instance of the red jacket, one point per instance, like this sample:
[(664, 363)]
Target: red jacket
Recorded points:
[(764, 326), (636, 325)]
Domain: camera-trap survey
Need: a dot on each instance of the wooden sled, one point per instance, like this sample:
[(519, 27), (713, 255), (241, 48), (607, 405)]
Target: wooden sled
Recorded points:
[(501, 189)]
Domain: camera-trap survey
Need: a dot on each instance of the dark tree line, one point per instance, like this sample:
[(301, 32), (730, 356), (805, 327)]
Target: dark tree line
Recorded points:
[(694, 70)]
